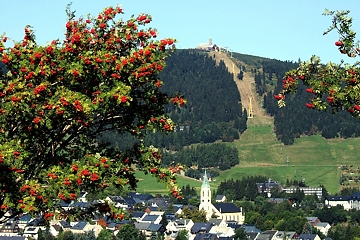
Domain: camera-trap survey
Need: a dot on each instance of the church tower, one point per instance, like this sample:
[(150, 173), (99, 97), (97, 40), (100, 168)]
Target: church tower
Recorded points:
[(205, 197), (205, 190)]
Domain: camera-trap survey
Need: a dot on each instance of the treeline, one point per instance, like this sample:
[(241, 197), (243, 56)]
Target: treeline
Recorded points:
[(204, 156), (296, 119), (213, 110), (244, 189)]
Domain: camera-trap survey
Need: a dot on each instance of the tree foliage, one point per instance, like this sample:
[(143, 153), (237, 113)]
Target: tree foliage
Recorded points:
[(194, 214), (333, 87), (56, 99), (213, 109), (128, 231), (245, 188), (205, 155), (106, 234)]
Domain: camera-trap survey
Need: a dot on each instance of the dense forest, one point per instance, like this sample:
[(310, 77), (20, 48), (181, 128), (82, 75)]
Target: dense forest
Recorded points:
[(296, 119), (205, 156), (213, 110), (245, 188)]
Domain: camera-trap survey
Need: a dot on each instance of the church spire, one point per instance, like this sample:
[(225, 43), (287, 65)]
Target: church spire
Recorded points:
[(205, 183)]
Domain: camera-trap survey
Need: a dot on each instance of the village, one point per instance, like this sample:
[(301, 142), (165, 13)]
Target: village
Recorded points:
[(223, 218)]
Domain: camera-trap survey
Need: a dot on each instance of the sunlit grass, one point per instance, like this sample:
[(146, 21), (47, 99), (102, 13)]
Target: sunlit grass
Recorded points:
[(311, 158)]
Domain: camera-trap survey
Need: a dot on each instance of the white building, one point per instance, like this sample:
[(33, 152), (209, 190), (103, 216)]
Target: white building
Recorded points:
[(225, 211), (348, 202), (307, 191)]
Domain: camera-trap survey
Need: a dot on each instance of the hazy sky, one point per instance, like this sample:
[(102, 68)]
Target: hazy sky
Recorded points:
[(280, 29)]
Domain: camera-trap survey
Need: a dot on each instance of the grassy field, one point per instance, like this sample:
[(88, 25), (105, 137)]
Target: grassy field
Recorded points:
[(311, 158), (148, 184)]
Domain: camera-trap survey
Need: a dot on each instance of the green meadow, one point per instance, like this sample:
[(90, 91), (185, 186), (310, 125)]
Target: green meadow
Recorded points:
[(311, 158)]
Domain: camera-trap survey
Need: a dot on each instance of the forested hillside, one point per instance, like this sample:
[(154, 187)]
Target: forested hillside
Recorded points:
[(295, 119), (213, 110), (210, 90)]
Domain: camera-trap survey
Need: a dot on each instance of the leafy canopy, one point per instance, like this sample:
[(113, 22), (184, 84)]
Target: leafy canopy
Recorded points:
[(56, 99), (333, 87)]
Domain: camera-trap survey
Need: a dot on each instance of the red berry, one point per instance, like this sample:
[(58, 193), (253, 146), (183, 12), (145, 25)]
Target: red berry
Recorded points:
[(279, 97), (338, 43), (153, 170), (310, 105)]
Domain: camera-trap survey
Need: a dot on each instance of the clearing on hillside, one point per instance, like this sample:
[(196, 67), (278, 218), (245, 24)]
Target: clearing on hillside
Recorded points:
[(246, 89)]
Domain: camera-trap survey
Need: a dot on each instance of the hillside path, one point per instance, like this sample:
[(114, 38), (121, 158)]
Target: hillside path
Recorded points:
[(246, 86)]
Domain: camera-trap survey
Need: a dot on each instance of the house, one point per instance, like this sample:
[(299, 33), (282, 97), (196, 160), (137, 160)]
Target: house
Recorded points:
[(178, 225), (152, 211), (226, 211), (151, 218), (38, 221), (130, 201), (249, 228), (222, 230), (55, 229), (155, 228), (137, 216), (280, 235), (80, 227), (66, 205), (252, 235), (31, 231), (159, 203), (139, 197), (201, 228), (306, 236), (24, 220), (218, 222), (142, 226), (10, 226), (206, 236), (153, 208), (267, 235), (118, 201), (220, 198), (323, 227), (348, 202), (65, 225), (313, 220)]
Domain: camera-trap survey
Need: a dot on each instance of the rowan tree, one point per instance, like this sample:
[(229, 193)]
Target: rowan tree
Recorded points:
[(333, 87), (56, 99)]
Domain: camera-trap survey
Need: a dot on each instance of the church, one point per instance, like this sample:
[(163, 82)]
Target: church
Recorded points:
[(225, 211)]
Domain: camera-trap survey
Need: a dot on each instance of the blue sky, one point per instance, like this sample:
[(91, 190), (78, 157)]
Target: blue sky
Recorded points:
[(279, 29)]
